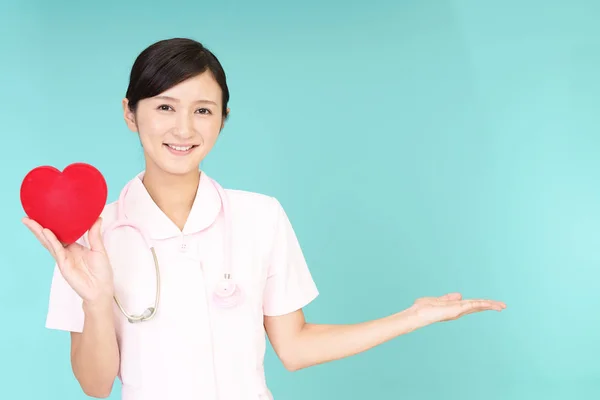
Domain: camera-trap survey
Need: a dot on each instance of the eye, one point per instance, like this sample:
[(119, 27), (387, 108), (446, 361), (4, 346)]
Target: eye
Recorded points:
[(164, 107), (204, 111)]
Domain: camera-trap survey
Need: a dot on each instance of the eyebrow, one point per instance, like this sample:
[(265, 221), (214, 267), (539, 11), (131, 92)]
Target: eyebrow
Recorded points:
[(177, 100)]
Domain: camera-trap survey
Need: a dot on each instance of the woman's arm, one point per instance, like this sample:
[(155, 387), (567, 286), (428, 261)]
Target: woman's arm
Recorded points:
[(95, 352), (300, 345)]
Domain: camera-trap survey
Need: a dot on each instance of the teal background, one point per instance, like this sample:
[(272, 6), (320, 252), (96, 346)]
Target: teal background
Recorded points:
[(419, 147)]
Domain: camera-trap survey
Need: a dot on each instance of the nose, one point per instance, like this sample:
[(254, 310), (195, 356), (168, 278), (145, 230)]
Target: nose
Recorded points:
[(185, 126)]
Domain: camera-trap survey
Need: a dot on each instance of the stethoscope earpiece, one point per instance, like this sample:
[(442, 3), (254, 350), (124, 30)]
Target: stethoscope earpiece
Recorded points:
[(146, 315), (149, 311)]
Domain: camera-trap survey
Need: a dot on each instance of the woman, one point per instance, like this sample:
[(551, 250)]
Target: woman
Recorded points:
[(195, 342)]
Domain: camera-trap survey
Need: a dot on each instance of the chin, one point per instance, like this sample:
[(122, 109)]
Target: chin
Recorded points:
[(178, 166), (167, 167), (181, 171)]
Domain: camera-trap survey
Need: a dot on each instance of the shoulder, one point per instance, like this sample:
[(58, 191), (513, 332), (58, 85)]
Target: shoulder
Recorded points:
[(260, 215), (261, 220), (254, 206), (109, 213)]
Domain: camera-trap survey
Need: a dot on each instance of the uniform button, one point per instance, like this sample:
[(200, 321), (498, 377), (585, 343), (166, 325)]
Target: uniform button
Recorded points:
[(183, 247)]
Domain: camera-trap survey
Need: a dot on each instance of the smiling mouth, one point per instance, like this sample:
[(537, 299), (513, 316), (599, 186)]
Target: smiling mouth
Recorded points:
[(181, 149)]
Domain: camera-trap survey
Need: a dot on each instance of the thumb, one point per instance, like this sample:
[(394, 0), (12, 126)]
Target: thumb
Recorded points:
[(451, 297), (95, 236)]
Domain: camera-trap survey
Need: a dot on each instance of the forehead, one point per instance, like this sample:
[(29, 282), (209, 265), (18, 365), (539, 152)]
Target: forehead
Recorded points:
[(200, 87)]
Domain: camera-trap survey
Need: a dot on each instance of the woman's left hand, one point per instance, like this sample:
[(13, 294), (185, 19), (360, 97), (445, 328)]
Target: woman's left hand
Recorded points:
[(449, 307)]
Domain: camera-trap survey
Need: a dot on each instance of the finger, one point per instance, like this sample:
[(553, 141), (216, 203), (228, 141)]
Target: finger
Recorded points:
[(31, 223), (451, 297), (496, 304), (477, 310), (56, 247), (95, 236), (36, 229), (480, 305), (39, 236)]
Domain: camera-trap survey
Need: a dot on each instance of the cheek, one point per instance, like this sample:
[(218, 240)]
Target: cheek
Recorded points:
[(210, 129), (148, 144), (154, 127), (151, 135)]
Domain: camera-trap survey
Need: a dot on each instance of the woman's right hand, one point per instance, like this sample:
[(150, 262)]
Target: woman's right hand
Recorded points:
[(87, 271)]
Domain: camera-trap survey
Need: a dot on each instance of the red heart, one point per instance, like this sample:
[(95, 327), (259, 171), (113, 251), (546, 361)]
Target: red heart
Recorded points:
[(68, 203)]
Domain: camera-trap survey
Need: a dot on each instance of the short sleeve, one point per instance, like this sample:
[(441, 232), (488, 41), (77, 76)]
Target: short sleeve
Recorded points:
[(289, 285), (65, 310)]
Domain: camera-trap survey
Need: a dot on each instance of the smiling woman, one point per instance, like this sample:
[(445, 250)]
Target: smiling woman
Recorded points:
[(228, 263), (177, 102)]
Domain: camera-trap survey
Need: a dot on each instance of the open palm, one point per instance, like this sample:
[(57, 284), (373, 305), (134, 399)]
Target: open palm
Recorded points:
[(86, 270), (450, 307)]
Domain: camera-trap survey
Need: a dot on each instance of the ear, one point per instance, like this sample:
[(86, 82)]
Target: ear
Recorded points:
[(129, 116), (225, 118)]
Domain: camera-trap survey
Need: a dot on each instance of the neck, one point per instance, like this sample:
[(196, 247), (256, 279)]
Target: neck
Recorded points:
[(173, 194)]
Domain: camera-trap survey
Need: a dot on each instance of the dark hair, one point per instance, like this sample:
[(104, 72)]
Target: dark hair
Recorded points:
[(169, 62)]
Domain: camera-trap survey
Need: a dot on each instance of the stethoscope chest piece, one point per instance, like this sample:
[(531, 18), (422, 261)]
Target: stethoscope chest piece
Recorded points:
[(226, 294)]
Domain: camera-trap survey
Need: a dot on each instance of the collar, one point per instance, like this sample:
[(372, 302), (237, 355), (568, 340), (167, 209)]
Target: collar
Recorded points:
[(141, 209)]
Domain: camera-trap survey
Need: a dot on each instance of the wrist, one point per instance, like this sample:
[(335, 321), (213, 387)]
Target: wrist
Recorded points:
[(100, 306), (410, 320)]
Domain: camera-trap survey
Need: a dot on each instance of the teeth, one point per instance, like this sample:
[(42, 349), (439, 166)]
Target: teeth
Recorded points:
[(179, 148)]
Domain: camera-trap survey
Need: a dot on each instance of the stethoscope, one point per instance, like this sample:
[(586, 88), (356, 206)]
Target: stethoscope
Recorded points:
[(226, 294)]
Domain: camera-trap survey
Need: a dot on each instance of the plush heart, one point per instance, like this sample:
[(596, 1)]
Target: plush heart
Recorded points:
[(68, 203)]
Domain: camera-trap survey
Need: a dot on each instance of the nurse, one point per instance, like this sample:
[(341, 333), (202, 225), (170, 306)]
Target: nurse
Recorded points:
[(195, 340)]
